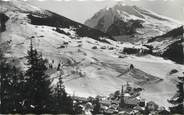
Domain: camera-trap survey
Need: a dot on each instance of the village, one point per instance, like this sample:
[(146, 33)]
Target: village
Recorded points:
[(126, 101)]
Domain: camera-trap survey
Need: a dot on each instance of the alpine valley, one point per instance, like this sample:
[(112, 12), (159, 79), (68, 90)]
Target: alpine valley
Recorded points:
[(98, 54)]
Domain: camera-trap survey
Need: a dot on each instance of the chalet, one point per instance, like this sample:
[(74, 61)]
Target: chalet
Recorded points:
[(81, 99), (131, 102), (105, 102), (152, 106), (139, 108)]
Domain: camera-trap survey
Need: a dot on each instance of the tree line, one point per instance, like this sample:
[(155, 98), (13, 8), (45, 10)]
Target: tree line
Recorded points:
[(31, 91)]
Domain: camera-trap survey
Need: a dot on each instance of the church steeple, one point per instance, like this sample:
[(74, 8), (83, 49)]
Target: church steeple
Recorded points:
[(122, 102)]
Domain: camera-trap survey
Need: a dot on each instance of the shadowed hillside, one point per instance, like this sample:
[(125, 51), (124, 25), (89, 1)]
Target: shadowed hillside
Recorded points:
[(56, 20)]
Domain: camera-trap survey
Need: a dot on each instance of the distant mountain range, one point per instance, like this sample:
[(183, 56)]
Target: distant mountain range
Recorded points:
[(140, 26), (131, 23)]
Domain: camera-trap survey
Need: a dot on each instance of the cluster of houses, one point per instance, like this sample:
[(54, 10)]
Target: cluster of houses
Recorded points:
[(127, 101)]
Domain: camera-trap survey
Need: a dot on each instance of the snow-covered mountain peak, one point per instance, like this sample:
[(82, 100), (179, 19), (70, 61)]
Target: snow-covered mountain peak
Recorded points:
[(122, 19), (120, 4), (124, 10)]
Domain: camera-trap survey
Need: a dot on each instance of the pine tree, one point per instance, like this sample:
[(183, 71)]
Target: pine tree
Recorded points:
[(10, 89), (63, 102), (178, 99), (97, 106), (37, 87), (11, 79)]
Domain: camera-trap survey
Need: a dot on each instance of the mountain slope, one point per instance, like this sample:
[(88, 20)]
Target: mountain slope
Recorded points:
[(169, 45), (44, 17), (130, 23), (93, 65), (60, 41)]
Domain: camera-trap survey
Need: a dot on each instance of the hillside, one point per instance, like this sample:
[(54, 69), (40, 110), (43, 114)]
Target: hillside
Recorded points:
[(93, 62), (169, 45), (38, 16)]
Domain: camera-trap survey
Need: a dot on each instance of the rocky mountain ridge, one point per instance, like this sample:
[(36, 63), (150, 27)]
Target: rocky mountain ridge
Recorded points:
[(130, 23)]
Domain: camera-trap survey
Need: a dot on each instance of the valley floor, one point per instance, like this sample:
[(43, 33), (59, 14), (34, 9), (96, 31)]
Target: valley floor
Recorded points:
[(157, 92)]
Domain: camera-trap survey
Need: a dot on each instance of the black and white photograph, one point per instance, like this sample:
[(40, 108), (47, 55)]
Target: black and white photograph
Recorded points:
[(89, 57)]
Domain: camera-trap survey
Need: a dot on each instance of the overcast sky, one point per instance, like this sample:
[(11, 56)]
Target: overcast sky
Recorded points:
[(80, 10)]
